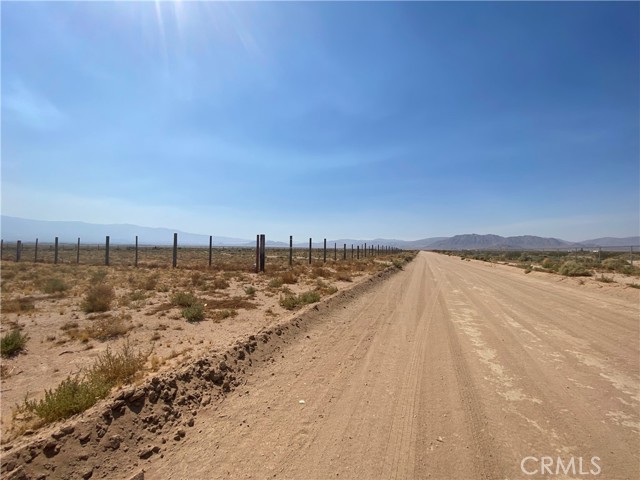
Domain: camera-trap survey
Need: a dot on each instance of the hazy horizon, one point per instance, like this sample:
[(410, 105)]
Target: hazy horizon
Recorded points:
[(338, 120), (303, 239)]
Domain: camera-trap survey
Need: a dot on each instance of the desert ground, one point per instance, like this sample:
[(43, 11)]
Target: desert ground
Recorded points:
[(442, 369)]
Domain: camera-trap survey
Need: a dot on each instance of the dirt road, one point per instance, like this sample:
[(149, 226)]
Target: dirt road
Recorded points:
[(449, 369)]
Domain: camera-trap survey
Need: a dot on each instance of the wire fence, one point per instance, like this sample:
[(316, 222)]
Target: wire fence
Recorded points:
[(137, 254)]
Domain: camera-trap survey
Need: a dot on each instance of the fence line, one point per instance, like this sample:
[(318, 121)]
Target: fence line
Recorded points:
[(137, 254)]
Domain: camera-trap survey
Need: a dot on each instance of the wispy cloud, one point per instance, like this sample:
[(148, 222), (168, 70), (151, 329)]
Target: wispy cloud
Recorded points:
[(30, 108)]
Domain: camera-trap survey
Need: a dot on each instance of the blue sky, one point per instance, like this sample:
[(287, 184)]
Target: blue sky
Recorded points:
[(360, 120)]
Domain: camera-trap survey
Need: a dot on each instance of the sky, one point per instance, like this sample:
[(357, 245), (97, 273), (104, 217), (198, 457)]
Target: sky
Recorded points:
[(337, 120)]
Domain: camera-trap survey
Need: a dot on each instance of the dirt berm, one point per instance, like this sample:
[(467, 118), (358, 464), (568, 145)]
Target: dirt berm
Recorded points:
[(118, 436)]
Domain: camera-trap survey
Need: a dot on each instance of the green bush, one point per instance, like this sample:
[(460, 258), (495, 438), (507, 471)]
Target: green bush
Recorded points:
[(54, 285), (194, 313), (572, 268), (12, 343), (76, 394), (183, 299), (616, 264), (291, 302), (72, 396), (98, 298)]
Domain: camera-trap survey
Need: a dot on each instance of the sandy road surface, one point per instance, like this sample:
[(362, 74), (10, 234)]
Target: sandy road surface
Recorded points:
[(449, 369)]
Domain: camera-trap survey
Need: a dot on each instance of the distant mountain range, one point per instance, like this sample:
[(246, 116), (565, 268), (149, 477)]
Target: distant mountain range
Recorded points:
[(13, 228)]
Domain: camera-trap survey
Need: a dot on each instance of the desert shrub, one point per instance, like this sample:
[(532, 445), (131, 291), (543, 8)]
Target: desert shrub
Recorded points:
[(12, 343), (616, 264), (634, 285), (98, 276), (117, 368), (320, 272), (232, 302), (137, 295), (291, 302), (150, 282), (289, 278), (76, 394), (251, 291), (73, 395), (343, 277), (109, 327), (54, 285), (604, 279), (222, 314), (103, 328), (197, 280), (275, 283), (18, 305), (398, 264), (194, 313), (220, 284), (183, 299), (98, 298), (324, 288), (309, 297), (572, 268)]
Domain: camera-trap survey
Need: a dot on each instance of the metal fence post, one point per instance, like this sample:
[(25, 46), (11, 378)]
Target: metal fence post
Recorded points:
[(324, 258), (174, 263), (309, 251), (78, 253), (135, 260), (35, 253), (262, 251), (344, 256), (106, 251), (18, 250), (210, 249), (55, 251), (290, 250)]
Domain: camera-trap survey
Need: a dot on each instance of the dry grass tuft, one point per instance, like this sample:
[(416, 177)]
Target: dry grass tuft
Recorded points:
[(231, 303), (222, 314), (18, 305), (102, 328), (98, 298), (291, 302)]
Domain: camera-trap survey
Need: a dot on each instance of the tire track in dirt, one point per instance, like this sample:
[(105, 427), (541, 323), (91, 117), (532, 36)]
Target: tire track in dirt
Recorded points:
[(444, 370)]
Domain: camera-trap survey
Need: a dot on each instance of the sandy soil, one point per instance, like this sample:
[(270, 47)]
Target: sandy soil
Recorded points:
[(151, 323), (447, 369), (450, 369)]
